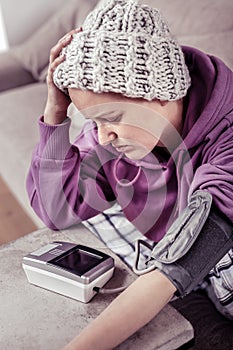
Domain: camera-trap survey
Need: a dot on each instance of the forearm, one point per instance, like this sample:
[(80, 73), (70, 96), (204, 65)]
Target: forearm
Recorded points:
[(130, 311), (44, 180), (54, 118), (58, 193)]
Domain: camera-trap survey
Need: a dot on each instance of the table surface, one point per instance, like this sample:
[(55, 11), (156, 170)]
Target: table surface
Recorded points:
[(36, 319)]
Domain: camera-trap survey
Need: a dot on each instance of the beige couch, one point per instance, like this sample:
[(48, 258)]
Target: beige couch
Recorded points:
[(206, 24)]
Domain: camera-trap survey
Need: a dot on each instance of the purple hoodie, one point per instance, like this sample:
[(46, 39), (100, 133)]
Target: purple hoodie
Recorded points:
[(70, 183)]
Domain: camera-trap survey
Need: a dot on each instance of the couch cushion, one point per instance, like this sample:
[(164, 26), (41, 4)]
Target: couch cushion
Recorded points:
[(34, 53)]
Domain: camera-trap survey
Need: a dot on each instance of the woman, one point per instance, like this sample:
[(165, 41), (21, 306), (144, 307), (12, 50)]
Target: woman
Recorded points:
[(157, 141)]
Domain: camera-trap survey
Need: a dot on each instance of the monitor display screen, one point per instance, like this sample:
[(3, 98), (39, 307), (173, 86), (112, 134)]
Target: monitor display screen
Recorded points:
[(78, 261)]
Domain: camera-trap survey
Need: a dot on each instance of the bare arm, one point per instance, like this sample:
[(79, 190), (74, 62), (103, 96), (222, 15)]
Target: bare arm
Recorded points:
[(130, 311)]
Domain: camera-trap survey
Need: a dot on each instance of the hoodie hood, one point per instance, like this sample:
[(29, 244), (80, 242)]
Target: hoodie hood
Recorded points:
[(209, 98)]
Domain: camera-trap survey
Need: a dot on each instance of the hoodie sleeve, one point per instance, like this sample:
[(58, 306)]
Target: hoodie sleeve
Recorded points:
[(215, 174), (61, 175)]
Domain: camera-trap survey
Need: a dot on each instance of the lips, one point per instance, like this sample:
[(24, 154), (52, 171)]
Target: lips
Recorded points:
[(123, 148)]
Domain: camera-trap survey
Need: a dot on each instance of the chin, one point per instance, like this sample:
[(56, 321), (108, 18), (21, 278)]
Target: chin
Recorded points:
[(137, 155)]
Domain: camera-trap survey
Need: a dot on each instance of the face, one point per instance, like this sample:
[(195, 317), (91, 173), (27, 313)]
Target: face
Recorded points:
[(132, 126)]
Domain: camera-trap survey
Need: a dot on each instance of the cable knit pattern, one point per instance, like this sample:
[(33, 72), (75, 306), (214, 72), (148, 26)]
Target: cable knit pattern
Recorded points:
[(127, 48)]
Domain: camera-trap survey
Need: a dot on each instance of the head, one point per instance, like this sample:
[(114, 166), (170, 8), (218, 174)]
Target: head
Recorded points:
[(125, 54)]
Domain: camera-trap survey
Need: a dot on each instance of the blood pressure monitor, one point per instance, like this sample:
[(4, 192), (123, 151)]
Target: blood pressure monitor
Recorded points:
[(69, 269)]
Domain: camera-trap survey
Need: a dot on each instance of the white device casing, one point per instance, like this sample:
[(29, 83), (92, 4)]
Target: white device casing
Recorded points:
[(66, 286), (68, 269)]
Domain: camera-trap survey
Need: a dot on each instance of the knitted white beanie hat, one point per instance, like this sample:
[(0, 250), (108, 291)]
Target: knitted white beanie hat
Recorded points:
[(127, 48)]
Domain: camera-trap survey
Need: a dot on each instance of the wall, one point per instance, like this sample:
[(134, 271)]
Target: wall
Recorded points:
[(3, 36), (23, 16)]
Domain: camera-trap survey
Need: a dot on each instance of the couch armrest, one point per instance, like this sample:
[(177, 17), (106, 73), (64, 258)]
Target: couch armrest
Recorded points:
[(12, 73)]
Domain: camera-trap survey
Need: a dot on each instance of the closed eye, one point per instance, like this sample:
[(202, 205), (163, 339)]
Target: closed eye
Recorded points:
[(111, 118)]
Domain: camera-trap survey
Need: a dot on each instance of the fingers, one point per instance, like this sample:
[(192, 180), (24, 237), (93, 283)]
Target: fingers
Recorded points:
[(55, 57), (63, 42), (55, 51), (73, 31), (52, 68)]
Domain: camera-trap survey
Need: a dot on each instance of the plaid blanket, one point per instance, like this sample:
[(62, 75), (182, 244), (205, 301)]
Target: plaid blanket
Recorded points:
[(118, 234), (219, 285)]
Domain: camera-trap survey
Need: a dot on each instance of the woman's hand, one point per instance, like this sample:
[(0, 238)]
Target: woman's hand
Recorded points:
[(57, 102)]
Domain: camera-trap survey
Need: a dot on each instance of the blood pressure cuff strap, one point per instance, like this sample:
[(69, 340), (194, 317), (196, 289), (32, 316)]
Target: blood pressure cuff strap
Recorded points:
[(205, 236)]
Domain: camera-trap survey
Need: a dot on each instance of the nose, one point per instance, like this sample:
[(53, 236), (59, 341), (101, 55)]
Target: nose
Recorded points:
[(105, 134)]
